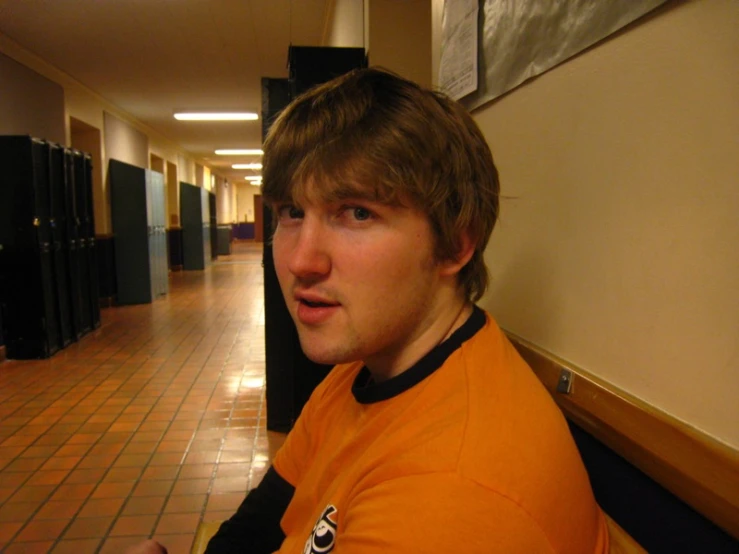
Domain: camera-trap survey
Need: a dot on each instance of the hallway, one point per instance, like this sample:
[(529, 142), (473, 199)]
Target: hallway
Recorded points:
[(145, 427)]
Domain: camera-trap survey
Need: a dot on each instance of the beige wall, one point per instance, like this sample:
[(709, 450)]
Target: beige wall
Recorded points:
[(89, 139), (245, 201), (199, 175), (345, 25), (124, 143), (46, 108), (225, 196), (617, 244), (396, 34), (400, 37), (186, 169), (30, 104)]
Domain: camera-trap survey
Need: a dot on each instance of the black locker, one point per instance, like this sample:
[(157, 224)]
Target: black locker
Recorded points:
[(195, 219), (282, 348), (27, 287), (89, 222), (42, 297), (213, 226), (291, 376), (72, 247), (309, 66), (138, 212), (60, 248), (90, 305), (83, 243)]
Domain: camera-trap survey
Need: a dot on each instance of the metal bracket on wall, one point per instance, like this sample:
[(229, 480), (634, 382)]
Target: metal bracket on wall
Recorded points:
[(564, 384)]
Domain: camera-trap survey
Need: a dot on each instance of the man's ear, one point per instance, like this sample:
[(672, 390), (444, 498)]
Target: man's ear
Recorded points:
[(454, 265)]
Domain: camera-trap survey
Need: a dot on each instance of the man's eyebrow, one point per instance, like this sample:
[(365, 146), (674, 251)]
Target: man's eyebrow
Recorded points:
[(369, 194)]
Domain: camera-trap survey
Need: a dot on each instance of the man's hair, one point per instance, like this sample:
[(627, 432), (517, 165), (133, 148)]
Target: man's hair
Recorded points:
[(373, 134)]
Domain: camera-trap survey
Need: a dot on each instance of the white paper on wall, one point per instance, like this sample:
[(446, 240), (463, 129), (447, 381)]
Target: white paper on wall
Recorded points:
[(458, 66), (524, 38)]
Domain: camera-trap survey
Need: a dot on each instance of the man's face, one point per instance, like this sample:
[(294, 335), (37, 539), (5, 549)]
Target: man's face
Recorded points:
[(360, 282)]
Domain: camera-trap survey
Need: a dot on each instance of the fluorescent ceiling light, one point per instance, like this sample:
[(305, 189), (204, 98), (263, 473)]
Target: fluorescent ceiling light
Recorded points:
[(255, 180), (247, 166), (237, 152), (216, 116)]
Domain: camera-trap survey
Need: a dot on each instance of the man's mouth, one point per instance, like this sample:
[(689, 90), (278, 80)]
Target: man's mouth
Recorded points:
[(313, 300), (316, 304), (314, 309)]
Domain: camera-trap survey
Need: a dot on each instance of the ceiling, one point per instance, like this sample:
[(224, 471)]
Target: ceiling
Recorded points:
[(154, 57)]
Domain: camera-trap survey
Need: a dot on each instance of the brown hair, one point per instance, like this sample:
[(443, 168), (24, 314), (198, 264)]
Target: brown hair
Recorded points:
[(373, 134)]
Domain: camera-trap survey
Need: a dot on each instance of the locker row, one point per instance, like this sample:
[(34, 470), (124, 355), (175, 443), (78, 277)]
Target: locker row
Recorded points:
[(138, 211), (48, 268), (49, 281)]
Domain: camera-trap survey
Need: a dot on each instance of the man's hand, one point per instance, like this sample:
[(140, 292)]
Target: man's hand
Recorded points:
[(147, 547)]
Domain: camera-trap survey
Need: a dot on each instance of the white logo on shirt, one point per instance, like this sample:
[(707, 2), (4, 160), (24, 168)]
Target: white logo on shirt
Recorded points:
[(322, 537)]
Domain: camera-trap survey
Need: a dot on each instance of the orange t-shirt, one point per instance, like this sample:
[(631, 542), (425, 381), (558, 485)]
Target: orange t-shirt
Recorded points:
[(464, 452)]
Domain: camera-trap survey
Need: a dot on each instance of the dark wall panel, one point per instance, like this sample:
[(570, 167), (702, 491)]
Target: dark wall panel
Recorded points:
[(291, 376), (174, 238), (242, 231), (104, 246), (652, 515)]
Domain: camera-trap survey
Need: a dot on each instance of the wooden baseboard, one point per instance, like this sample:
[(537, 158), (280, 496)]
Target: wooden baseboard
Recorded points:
[(3, 355), (107, 301), (205, 532), (176, 268), (700, 470)]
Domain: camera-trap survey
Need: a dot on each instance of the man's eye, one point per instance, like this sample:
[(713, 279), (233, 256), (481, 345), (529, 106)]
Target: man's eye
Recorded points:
[(361, 214), (290, 212)]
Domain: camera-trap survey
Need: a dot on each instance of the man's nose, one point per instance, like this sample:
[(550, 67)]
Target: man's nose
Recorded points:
[(310, 257)]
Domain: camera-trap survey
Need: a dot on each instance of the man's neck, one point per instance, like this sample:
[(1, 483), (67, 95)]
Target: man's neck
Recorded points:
[(384, 367)]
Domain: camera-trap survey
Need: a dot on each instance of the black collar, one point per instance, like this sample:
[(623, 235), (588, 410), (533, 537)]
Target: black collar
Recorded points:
[(366, 391)]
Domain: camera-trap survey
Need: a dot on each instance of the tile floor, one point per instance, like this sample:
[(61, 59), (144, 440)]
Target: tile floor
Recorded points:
[(145, 427)]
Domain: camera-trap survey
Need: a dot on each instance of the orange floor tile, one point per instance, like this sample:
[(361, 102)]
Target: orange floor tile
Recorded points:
[(145, 427)]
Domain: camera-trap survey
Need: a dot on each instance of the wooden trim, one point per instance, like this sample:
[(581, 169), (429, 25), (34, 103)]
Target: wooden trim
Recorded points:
[(692, 465), (104, 236), (206, 530), (176, 267), (3, 355), (174, 228), (106, 301)]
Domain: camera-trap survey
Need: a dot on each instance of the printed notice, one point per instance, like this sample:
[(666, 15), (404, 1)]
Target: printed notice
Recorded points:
[(458, 65)]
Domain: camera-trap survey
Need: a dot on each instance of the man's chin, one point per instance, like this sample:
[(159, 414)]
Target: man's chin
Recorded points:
[(326, 357)]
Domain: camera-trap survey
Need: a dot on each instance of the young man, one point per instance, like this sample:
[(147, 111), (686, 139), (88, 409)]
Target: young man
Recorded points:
[(431, 434)]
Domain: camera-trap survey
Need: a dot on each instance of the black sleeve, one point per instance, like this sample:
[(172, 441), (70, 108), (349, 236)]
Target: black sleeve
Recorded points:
[(255, 527)]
